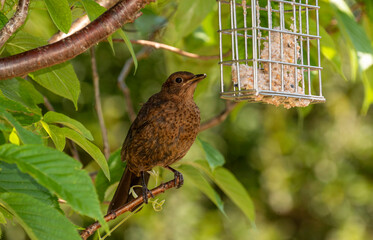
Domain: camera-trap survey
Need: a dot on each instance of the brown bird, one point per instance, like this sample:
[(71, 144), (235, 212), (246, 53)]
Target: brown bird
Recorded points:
[(162, 133)]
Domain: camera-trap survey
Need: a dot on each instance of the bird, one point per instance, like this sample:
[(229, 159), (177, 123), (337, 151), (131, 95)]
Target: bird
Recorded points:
[(162, 133)]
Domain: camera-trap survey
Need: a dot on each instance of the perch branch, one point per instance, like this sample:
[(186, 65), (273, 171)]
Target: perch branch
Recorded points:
[(100, 115), (81, 22), (126, 208), (15, 22), (158, 45), (229, 106), (122, 85), (123, 12)]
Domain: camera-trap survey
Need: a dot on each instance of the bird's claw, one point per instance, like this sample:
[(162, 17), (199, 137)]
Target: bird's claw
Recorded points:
[(179, 179), (145, 193)]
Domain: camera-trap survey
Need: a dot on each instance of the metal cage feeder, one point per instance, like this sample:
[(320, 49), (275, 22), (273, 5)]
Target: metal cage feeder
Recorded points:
[(275, 51)]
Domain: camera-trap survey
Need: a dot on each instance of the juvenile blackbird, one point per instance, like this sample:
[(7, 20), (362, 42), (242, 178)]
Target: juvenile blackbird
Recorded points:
[(162, 133)]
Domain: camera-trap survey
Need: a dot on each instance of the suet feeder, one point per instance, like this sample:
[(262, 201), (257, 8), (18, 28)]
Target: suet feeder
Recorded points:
[(275, 51)]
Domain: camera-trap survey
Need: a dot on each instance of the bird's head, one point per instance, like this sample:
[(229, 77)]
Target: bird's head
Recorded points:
[(182, 84)]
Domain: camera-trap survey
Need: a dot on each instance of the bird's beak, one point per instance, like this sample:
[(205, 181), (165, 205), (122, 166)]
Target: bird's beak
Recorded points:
[(197, 78)]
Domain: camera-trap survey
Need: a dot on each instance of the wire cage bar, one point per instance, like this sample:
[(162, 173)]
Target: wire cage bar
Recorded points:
[(275, 51)]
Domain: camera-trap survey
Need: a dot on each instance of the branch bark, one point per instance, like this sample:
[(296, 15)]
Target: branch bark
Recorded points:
[(128, 207), (15, 22), (123, 12)]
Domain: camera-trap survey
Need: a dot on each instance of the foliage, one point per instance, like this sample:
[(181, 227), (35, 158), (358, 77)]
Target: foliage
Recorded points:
[(308, 172)]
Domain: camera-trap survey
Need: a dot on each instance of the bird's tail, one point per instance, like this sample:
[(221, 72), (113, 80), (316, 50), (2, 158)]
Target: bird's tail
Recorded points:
[(122, 195)]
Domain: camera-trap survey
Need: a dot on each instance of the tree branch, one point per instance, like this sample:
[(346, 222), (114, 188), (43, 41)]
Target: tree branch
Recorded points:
[(100, 115), (229, 106), (128, 207), (15, 22), (123, 12), (158, 45)]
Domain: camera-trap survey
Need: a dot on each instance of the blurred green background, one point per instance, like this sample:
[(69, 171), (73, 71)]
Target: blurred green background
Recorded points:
[(308, 171)]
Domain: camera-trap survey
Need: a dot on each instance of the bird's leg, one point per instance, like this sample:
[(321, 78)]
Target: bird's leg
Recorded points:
[(145, 190), (179, 180)]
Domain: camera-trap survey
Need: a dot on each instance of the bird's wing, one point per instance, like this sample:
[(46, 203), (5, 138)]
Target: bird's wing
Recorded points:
[(150, 131)]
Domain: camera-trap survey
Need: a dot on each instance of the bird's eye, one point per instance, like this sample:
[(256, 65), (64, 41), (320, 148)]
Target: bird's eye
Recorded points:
[(178, 80)]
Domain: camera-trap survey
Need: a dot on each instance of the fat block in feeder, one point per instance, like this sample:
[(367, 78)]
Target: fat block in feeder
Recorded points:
[(271, 66)]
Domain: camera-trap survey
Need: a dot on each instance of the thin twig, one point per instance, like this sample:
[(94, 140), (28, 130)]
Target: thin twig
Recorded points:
[(121, 81), (229, 106), (158, 45), (15, 22), (81, 22), (71, 145), (100, 115), (128, 207)]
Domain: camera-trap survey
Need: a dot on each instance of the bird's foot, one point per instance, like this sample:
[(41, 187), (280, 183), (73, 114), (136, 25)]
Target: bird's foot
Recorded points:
[(145, 193), (179, 179), (145, 190)]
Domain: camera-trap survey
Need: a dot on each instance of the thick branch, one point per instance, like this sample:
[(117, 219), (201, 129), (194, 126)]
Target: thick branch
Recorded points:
[(229, 106), (126, 208), (15, 22), (123, 12), (100, 115)]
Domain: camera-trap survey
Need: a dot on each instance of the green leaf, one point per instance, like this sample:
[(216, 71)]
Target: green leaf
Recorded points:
[(13, 180), (353, 31), (26, 136), (2, 220), (54, 117), (59, 10), (21, 91), (188, 16), (213, 156), (58, 139), (368, 90), (129, 45), (3, 20), (235, 191), (110, 41), (21, 113), (11, 105), (116, 167), (199, 181), (227, 182), (57, 172), (61, 80), (39, 220), (22, 42), (328, 48), (93, 9), (89, 147)]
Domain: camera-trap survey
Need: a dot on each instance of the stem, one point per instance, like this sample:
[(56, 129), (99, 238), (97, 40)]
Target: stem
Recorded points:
[(100, 115)]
